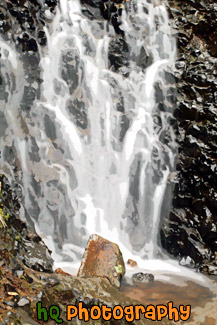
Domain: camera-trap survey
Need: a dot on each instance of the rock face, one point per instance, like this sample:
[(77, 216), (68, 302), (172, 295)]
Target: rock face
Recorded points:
[(22, 25), (102, 258), (190, 232), (18, 245)]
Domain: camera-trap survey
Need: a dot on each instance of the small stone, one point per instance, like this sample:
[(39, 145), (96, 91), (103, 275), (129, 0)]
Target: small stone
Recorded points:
[(9, 303), (39, 295), (43, 278), (132, 263), (60, 271), (18, 273), (23, 302), (186, 261), (52, 281), (102, 258), (12, 293), (142, 277)]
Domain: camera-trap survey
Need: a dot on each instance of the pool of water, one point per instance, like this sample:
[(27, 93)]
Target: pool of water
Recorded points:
[(200, 294)]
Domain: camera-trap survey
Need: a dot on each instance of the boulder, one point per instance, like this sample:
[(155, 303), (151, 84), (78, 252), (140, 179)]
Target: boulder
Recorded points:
[(102, 258)]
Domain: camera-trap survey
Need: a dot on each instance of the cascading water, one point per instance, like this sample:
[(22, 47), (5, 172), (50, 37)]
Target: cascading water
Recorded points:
[(97, 148)]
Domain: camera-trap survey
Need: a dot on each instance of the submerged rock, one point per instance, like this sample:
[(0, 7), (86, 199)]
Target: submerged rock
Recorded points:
[(102, 258)]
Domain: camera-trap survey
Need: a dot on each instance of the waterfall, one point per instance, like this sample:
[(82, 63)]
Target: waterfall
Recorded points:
[(96, 149)]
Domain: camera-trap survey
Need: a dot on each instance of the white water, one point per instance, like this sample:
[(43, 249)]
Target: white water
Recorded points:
[(86, 146)]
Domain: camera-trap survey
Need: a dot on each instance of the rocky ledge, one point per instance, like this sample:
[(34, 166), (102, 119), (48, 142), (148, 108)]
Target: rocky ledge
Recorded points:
[(190, 232)]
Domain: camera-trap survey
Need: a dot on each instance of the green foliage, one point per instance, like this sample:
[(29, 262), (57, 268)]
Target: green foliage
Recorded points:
[(39, 286), (4, 215), (7, 216), (18, 238), (119, 268)]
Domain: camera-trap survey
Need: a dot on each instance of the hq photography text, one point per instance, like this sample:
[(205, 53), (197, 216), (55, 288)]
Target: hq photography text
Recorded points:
[(129, 313)]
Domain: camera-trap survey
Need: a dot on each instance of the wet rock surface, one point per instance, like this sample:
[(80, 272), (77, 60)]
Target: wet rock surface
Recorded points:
[(190, 232), (142, 277), (18, 245), (22, 23), (118, 53), (21, 250), (102, 258), (22, 28)]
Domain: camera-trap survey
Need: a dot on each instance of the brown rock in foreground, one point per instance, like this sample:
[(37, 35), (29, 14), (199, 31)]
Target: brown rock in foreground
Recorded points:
[(102, 258)]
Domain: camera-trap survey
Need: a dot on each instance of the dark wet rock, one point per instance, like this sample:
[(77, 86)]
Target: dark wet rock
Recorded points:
[(23, 21), (118, 54), (76, 108), (10, 290), (22, 25), (92, 9), (189, 233), (108, 10), (19, 246), (142, 277), (70, 69), (102, 258), (33, 237)]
